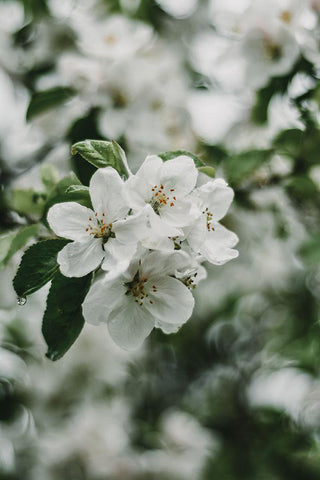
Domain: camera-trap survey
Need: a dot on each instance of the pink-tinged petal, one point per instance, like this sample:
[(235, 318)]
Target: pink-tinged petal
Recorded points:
[(172, 302), (70, 220), (130, 324), (106, 194), (217, 197), (77, 259), (103, 297), (179, 174)]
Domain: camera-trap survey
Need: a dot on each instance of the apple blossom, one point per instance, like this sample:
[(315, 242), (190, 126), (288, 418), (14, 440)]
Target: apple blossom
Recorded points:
[(207, 237), (146, 296), (164, 187), (105, 234)]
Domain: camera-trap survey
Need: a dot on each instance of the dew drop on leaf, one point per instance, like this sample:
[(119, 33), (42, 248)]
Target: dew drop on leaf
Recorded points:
[(22, 300)]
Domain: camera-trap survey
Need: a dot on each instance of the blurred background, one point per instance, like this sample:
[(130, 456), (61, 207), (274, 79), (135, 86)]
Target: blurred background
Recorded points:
[(235, 395)]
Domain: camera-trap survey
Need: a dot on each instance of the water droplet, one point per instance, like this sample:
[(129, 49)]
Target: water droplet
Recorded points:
[(22, 300), (53, 354)]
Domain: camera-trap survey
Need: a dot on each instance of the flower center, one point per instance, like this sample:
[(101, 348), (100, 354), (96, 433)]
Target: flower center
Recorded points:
[(189, 281), (272, 50), (161, 197), (99, 229), (285, 16), (208, 216), (136, 288)]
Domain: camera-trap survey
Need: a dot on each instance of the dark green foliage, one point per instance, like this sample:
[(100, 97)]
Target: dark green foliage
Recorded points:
[(63, 320), (201, 166), (38, 266), (42, 101)]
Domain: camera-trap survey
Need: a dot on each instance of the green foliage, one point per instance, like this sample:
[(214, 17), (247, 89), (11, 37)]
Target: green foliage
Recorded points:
[(102, 154), (47, 99), (63, 320), (28, 202), (11, 242), (201, 166), (38, 266), (310, 250), (49, 176), (68, 189), (239, 167)]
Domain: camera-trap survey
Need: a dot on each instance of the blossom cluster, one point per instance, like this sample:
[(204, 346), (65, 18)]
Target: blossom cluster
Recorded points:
[(149, 234)]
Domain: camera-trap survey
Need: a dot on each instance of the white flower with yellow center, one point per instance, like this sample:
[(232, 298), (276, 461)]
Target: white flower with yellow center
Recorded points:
[(164, 188), (105, 234), (146, 296), (207, 237)]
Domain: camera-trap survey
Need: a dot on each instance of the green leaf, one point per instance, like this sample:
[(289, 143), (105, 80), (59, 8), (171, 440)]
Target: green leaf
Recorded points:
[(290, 142), (63, 320), (38, 266), (240, 167), (42, 101), (68, 189), (103, 154), (11, 242), (201, 166), (310, 251), (27, 202), (49, 176)]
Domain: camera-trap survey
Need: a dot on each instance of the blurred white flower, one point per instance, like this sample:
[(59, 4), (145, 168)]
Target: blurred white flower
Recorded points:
[(113, 39), (178, 8)]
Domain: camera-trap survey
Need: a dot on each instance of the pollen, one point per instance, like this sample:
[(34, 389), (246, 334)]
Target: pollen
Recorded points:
[(161, 197), (136, 288)]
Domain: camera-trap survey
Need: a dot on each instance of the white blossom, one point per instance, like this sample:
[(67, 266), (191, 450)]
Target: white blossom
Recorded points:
[(164, 187), (207, 236), (144, 297), (105, 233)]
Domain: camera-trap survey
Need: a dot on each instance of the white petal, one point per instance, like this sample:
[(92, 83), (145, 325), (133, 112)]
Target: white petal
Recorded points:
[(154, 242), (167, 327), (217, 196), (172, 302), (181, 214), (77, 259), (150, 170), (103, 297), (106, 194), (222, 235), (130, 324), (132, 229), (117, 257), (137, 189), (164, 263), (218, 254), (70, 220), (198, 233), (179, 173), (161, 228), (217, 248)]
